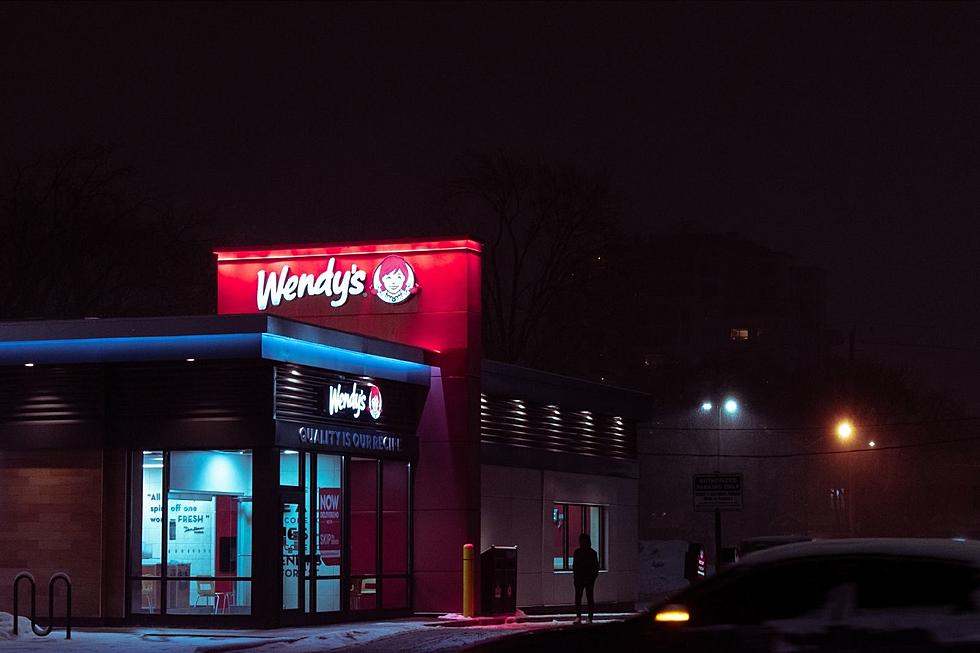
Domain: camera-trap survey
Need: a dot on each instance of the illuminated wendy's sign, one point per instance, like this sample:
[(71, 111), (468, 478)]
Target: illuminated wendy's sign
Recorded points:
[(424, 292), (276, 287), (354, 400), (393, 282)]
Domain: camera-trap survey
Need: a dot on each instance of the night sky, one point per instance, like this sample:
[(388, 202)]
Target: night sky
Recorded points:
[(845, 135)]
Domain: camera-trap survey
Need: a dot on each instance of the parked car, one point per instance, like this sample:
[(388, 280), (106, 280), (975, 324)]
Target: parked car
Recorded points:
[(831, 595), (837, 593)]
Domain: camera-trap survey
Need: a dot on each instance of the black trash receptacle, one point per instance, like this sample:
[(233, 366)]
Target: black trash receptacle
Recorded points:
[(498, 580)]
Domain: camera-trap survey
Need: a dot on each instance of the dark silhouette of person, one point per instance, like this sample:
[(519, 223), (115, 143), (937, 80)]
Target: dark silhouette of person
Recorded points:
[(585, 569)]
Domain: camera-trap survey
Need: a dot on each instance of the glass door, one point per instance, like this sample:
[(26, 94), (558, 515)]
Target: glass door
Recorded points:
[(293, 552)]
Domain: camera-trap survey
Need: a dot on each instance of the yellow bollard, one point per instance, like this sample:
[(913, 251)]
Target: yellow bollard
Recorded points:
[(468, 579)]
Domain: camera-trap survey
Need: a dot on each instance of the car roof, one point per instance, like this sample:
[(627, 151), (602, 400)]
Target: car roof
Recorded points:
[(775, 539), (965, 551)]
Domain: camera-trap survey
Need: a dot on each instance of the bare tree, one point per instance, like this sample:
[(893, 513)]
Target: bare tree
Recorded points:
[(544, 229), (81, 239)]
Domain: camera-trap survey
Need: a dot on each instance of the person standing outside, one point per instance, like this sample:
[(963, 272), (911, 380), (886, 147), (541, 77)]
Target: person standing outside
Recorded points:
[(585, 570)]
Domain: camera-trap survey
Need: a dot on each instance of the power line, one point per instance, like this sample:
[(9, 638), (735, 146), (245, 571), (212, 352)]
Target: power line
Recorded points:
[(916, 345), (823, 427), (805, 454)]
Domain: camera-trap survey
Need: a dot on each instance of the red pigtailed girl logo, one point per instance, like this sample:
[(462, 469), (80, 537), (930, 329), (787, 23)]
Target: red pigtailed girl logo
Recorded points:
[(374, 402), (394, 280)]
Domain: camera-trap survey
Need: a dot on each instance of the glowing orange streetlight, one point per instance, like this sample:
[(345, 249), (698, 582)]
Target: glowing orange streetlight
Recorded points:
[(845, 429)]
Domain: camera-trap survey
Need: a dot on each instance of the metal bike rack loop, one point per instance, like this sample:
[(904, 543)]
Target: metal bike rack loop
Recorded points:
[(38, 630)]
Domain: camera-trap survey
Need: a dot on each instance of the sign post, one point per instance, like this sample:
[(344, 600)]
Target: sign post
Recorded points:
[(715, 493)]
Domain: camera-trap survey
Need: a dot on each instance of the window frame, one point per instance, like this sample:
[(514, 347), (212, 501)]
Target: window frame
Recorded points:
[(163, 581), (308, 464), (568, 548)]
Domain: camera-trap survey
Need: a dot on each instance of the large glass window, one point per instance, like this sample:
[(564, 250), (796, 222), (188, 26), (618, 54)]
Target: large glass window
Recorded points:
[(570, 520), (312, 547), (195, 534), (327, 527)]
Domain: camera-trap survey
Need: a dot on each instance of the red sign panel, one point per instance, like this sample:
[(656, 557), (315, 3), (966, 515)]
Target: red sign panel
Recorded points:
[(422, 293), (329, 542)]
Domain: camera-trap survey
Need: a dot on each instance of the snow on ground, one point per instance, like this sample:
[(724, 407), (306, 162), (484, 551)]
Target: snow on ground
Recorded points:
[(412, 635), (7, 628)]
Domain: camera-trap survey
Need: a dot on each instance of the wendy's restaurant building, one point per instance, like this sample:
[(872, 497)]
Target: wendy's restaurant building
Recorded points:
[(320, 449)]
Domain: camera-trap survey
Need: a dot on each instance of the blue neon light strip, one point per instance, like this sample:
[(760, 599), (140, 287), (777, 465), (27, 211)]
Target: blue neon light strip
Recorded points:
[(303, 352), (143, 348), (213, 346)]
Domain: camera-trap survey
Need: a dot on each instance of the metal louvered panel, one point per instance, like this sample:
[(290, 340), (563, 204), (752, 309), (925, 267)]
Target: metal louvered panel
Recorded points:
[(71, 393), (192, 390), (301, 396), (517, 423)]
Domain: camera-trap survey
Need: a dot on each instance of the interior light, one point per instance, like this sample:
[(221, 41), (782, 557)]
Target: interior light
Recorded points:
[(295, 372), (146, 452), (152, 465), (190, 360), (28, 364), (290, 452)]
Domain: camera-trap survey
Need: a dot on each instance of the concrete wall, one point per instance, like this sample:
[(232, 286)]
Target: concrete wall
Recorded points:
[(447, 492), (516, 509)]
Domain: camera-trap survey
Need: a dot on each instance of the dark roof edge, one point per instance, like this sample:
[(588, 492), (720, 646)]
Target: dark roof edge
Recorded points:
[(515, 381)]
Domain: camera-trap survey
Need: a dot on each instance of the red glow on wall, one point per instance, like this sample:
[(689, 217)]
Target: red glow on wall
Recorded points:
[(349, 249), (340, 286)]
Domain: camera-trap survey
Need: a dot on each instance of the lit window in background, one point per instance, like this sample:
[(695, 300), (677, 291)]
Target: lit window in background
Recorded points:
[(739, 335)]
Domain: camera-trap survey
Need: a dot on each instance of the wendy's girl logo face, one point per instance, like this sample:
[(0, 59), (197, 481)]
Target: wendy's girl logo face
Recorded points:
[(394, 280), (374, 403)]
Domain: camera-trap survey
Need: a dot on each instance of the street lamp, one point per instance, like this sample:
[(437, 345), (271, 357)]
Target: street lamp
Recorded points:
[(731, 407), (845, 431)]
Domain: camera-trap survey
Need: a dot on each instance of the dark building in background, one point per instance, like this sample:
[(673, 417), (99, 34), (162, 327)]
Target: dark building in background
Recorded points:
[(717, 316), (703, 312)]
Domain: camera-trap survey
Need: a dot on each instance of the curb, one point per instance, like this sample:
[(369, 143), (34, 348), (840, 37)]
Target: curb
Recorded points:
[(498, 620)]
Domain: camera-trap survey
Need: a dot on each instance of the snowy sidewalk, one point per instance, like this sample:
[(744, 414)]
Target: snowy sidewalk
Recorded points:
[(411, 634)]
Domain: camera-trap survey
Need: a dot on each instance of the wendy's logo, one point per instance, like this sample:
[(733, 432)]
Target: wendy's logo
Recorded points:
[(394, 280), (374, 402)]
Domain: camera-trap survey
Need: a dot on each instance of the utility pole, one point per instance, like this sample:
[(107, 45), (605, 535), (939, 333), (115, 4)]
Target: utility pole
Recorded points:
[(718, 471)]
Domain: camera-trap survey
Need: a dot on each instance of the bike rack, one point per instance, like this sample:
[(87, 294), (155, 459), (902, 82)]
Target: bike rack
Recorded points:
[(38, 630)]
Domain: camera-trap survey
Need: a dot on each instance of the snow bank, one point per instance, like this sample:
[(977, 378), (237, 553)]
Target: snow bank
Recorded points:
[(7, 628)]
